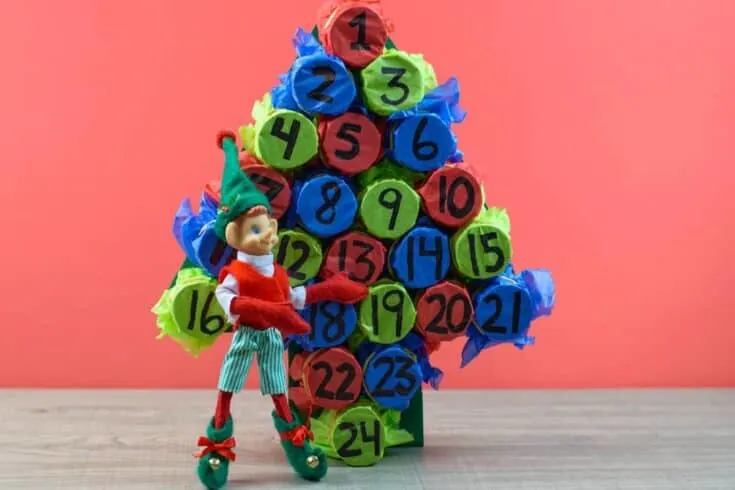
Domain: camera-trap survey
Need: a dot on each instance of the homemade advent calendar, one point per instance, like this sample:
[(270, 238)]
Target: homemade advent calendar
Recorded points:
[(355, 151)]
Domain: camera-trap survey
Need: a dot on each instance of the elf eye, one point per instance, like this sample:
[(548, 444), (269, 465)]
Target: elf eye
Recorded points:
[(255, 230)]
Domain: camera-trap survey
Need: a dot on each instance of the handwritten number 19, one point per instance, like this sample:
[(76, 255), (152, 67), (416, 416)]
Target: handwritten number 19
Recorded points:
[(393, 301)]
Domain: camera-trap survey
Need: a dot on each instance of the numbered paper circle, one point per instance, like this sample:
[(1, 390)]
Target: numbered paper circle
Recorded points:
[(331, 323), (351, 143), (286, 140), (392, 82), (358, 255), (300, 254), (389, 208), (326, 205), (197, 313), (421, 258), (357, 34), (273, 184), (480, 250), (503, 312), (443, 312), (358, 436), (422, 142), (332, 378), (387, 314), (452, 196), (322, 85), (392, 378)]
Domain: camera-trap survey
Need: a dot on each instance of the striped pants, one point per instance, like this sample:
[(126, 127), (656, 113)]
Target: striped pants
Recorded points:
[(246, 342)]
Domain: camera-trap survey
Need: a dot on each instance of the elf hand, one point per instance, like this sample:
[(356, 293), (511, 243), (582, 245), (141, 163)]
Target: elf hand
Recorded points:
[(337, 288)]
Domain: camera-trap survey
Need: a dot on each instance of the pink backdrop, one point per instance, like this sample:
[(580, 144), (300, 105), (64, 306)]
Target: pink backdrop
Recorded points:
[(605, 127)]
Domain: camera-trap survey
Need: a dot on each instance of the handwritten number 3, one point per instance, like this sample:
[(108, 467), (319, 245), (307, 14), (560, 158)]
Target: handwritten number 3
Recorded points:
[(395, 82)]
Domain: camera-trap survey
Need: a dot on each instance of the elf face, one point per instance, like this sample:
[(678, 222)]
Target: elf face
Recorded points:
[(254, 233)]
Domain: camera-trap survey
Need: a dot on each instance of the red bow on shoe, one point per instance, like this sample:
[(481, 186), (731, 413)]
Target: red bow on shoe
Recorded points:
[(298, 436), (223, 448)]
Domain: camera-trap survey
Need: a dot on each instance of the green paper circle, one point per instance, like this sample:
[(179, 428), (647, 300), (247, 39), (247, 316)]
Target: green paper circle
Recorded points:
[(197, 313), (286, 140), (358, 436), (300, 254), (377, 319), (481, 250), (389, 208), (392, 82)]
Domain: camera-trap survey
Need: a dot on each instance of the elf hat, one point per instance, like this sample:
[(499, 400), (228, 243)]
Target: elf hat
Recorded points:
[(238, 193)]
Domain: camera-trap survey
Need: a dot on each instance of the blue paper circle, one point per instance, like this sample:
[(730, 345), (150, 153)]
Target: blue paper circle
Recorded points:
[(322, 85), (392, 377), (326, 205), (421, 258), (331, 324), (421, 142), (503, 311)]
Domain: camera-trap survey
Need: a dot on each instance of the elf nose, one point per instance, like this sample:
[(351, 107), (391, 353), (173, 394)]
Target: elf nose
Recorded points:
[(267, 235)]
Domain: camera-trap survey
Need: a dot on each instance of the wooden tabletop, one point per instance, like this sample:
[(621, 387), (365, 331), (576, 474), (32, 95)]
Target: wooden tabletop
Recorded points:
[(499, 440)]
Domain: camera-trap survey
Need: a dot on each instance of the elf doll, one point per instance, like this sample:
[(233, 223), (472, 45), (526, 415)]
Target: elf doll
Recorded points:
[(255, 293)]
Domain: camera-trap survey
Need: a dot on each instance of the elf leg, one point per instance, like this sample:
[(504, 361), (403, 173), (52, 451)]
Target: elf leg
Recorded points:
[(308, 461), (214, 459)]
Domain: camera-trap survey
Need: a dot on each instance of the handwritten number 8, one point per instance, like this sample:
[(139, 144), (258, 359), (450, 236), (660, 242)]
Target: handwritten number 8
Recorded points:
[(331, 193)]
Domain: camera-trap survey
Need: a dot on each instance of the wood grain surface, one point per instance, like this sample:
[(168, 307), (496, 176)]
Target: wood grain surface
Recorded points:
[(500, 440)]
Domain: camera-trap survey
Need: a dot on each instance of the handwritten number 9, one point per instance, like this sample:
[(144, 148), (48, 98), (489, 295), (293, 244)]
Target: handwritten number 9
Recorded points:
[(394, 204)]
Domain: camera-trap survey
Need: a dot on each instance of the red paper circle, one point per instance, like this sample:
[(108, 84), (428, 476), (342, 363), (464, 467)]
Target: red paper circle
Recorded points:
[(271, 183), (332, 378), (351, 143), (433, 311), (447, 193), (357, 34), (360, 256)]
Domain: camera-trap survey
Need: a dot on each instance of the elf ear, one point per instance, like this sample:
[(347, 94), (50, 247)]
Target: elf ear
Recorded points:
[(274, 225), (232, 234)]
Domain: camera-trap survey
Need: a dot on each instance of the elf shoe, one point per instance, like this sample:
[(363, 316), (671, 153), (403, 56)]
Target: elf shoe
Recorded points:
[(308, 461), (215, 457)]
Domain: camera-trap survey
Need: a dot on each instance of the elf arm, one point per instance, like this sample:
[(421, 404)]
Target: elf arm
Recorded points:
[(257, 313), (337, 288)]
